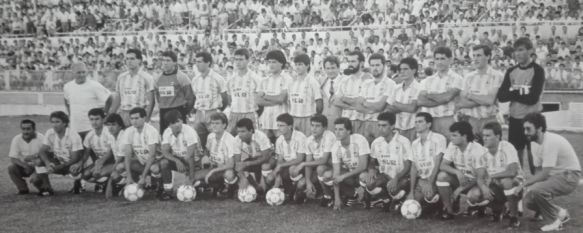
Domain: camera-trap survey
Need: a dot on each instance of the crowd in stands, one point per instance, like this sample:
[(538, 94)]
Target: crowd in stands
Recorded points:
[(409, 29)]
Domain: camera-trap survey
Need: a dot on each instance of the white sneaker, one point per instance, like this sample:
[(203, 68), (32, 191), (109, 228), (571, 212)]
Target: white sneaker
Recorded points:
[(556, 225), (563, 215)]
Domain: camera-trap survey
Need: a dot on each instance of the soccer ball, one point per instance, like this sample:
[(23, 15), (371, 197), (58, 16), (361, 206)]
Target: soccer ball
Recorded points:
[(275, 197), (247, 194), (186, 193), (411, 209), (133, 192)]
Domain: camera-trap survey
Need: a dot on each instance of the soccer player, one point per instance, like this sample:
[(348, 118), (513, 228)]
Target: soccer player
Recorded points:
[(403, 101), (97, 145), (330, 86), (242, 87), (180, 148), (210, 91), (134, 88), (347, 97), (505, 174), (439, 91), (350, 155), (428, 150), (253, 150), (478, 96), (23, 155), (81, 95), (115, 126), (60, 153), (387, 178), (457, 170), (220, 143), (273, 93), (522, 87), (290, 149), (317, 161), (374, 93), (140, 144), (172, 90), (558, 171), (305, 98)]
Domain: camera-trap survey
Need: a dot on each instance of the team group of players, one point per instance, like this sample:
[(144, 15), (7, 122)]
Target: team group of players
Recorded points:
[(358, 138)]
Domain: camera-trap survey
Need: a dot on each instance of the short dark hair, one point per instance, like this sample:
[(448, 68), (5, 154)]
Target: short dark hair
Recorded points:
[(136, 52), (285, 118), (173, 116), (358, 54), (96, 112), (304, 59), (242, 52), (487, 50), (115, 118), (170, 54), (377, 56), (388, 117), (29, 122), (463, 128), (206, 57), (331, 59), (411, 62), (245, 123), (523, 41), (219, 116), (427, 116), (495, 127), (344, 121), (61, 116), (138, 110), (537, 119), (319, 118), (442, 50)]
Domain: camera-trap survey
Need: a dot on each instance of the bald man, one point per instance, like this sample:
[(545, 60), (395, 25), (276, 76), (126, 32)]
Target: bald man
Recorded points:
[(81, 95)]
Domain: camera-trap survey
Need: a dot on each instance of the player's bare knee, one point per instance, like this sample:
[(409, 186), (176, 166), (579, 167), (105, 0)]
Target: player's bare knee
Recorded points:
[(442, 176), (321, 169), (155, 169), (474, 195), (507, 183), (119, 168), (229, 175)]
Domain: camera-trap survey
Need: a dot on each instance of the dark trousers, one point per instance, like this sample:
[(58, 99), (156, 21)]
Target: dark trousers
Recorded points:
[(17, 175), (163, 111), (517, 138)]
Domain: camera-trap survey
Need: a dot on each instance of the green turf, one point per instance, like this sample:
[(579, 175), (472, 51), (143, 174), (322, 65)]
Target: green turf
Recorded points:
[(89, 212)]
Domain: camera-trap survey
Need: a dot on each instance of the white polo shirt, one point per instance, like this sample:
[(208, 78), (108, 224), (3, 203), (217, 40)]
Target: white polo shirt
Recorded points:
[(82, 98), (555, 152), (207, 91), (302, 96), (499, 162), (20, 149), (133, 90), (405, 120), (437, 84), (480, 84), (242, 90)]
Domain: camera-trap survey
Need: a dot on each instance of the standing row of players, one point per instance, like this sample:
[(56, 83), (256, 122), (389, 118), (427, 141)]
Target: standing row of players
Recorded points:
[(340, 168)]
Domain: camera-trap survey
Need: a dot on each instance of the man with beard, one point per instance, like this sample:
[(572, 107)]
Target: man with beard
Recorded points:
[(373, 96), (348, 95), (557, 171)]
